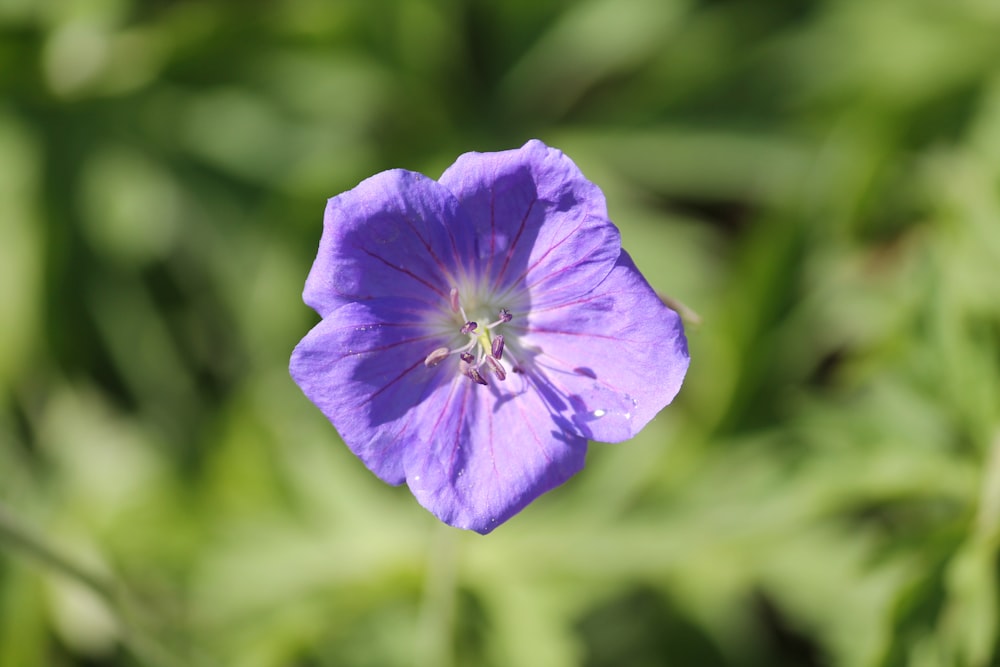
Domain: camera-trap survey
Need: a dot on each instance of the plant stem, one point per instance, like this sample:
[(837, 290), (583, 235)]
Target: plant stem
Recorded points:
[(435, 624)]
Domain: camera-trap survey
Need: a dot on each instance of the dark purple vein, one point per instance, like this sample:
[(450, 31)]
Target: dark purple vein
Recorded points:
[(404, 271), (513, 245)]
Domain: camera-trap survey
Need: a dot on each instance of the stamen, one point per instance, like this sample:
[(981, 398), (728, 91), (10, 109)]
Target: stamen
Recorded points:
[(482, 347), (496, 367), (476, 376), (436, 357), (504, 317)]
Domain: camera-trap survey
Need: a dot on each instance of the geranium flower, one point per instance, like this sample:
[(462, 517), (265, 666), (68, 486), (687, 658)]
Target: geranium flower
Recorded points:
[(479, 329)]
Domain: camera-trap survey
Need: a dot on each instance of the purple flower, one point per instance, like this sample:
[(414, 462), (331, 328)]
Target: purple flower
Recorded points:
[(479, 329)]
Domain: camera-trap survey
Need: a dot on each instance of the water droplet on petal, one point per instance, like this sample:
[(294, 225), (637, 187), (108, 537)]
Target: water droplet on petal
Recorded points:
[(611, 420)]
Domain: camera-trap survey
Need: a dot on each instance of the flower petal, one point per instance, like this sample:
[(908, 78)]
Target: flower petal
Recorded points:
[(363, 367), (617, 355), (490, 454), (391, 236), (537, 223)]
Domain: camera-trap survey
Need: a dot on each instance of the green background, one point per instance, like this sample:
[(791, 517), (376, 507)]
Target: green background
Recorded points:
[(818, 181)]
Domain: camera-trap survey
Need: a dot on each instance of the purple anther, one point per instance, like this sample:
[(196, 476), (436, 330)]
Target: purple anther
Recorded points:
[(476, 376), (498, 346), (469, 327), (505, 315), (467, 358), (436, 357), (453, 298), (496, 367)]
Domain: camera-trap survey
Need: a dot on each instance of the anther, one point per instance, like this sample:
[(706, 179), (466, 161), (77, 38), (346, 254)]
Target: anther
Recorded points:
[(436, 357), (505, 315), (467, 358), (469, 327), (476, 376), (497, 346), (496, 367), (453, 299)]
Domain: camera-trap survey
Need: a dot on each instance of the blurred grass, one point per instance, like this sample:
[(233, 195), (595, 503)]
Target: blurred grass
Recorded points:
[(819, 181)]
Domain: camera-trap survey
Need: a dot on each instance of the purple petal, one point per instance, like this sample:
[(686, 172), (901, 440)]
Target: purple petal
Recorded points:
[(537, 222), (617, 355), (391, 236), (363, 366), (489, 454)]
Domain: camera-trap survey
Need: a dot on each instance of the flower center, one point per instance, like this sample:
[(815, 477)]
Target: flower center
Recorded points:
[(481, 346)]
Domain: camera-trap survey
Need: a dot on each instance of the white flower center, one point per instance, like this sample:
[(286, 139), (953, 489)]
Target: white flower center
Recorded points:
[(482, 348)]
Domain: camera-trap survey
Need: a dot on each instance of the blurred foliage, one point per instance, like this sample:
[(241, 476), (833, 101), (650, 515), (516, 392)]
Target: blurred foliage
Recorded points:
[(820, 181)]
